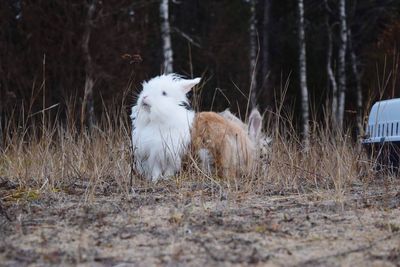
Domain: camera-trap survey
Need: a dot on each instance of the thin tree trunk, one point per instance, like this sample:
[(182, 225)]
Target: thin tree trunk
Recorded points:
[(166, 37), (342, 63), (331, 76), (1, 127), (3, 101), (87, 112), (303, 74), (357, 76), (253, 54), (265, 54)]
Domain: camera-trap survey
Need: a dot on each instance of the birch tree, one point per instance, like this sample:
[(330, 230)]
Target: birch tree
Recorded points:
[(331, 76), (253, 53), (357, 77), (303, 74), (342, 63), (166, 37), (87, 111)]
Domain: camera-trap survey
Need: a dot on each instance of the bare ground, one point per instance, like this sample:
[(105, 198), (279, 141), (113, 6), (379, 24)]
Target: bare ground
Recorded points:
[(198, 225)]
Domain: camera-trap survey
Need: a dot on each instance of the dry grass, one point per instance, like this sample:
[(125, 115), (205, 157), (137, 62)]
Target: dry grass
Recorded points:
[(66, 199), (50, 155)]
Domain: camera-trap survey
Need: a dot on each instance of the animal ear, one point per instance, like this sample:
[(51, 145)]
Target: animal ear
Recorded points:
[(255, 123), (187, 85)]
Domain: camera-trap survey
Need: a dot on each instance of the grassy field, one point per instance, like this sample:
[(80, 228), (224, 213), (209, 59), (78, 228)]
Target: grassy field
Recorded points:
[(66, 199)]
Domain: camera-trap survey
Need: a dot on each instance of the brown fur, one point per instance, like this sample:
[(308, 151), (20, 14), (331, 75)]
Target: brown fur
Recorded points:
[(227, 143)]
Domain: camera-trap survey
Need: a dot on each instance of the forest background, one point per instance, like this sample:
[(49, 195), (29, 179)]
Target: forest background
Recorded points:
[(69, 74), (88, 55)]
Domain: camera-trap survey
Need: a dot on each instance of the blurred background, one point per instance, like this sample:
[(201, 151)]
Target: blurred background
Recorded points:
[(318, 58)]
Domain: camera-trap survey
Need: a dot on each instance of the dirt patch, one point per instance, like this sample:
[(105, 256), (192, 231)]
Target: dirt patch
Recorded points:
[(197, 227)]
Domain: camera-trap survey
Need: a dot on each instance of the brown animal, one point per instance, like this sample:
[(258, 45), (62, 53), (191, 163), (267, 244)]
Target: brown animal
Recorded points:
[(225, 144), (261, 141)]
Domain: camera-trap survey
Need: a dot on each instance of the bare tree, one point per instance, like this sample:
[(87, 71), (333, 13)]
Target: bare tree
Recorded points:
[(265, 53), (331, 76), (1, 126), (342, 63), (253, 53), (2, 102), (303, 74), (87, 112), (166, 37), (357, 77)]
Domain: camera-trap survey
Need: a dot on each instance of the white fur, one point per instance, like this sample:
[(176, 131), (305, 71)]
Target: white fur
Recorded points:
[(206, 160), (161, 126)]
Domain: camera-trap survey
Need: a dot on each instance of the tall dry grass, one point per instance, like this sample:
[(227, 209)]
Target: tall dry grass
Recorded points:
[(51, 154), (44, 154)]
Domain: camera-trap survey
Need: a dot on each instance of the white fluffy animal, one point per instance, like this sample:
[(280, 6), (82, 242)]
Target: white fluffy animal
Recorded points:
[(161, 123)]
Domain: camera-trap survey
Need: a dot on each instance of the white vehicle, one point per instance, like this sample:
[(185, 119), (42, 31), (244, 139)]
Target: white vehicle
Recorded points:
[(383, 132)]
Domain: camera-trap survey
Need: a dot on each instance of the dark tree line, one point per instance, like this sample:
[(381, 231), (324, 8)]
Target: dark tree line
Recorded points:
[(91, 52)]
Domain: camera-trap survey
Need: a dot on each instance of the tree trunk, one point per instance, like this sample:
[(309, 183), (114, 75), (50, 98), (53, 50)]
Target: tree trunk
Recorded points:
[(342, 63), (331, 76), (357, 76), (303, 74), (87, 112), (1, 128), (166, 37), (268, 95), (253, 54)]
